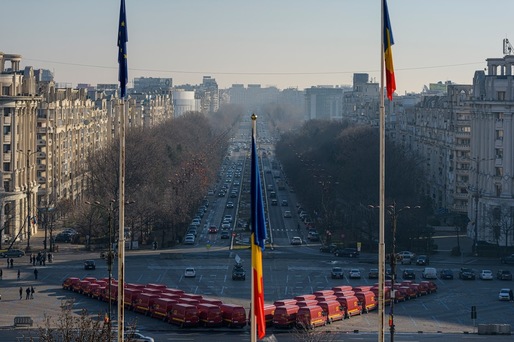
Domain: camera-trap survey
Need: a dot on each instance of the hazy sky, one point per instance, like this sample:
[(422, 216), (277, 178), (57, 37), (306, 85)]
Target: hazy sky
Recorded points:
[(283, 43)]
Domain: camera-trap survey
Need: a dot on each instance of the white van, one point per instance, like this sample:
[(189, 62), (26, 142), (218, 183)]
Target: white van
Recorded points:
[(429, 273)]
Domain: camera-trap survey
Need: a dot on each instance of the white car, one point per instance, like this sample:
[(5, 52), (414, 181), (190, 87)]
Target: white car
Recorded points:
[(296, 240), (189, 272), (287, 214), (354, 274), (228, 218), (189, 239), (486, 275), (505, 294), (406, 254)]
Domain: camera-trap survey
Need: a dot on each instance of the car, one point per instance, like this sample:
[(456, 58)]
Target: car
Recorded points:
[(313, 236), (504, 275), (89, 265), (287, 214), (429, 273), (132, 336), (213, 230), (210, 193), (422, 260), (221, 194), (505, 294), (354, 273), (296, 240), (274, 202), (389, 274), (238, 272), (408, 273), (507, 259), (196, 222), (192, 231), (486, 275), (347, 252), (466, 274), (337, 273), (284, 203), (404, 254), (446, 274), (189, 240), (373, 273), (225, 234), (229, 205), (406, 260), (63, 237), (227, 218), (190, 272), (328, 248), (13, 253)]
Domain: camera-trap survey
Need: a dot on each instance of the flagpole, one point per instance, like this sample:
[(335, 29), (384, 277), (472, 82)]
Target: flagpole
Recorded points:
[(253, 325), (121, 231), (381, 244)]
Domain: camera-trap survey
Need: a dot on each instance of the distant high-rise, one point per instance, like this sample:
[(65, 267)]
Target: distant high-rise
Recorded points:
[(153, 85)]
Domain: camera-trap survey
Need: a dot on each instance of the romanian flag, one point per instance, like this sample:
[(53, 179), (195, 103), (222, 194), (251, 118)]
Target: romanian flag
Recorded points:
[(122, 50), (258, 223), (388, 53)]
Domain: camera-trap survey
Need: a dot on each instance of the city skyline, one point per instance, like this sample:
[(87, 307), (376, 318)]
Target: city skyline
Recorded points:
[(283, 44)]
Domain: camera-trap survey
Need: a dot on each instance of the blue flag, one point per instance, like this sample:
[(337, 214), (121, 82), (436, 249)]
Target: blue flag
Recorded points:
[(258, 218), (122, 50)]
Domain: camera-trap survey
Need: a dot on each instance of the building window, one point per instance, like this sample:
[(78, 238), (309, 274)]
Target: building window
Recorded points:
[(499, 153), (501, 96), (499, 171), (7, 167), (498, 190), (499, 134), (7, 186)]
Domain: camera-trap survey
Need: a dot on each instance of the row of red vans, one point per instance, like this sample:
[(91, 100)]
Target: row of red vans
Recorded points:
[(158, 301), (189, 310)]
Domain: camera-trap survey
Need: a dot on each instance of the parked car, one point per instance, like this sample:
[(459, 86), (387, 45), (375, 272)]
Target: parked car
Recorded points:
[(229, 205), (347, 252), (313, 236), (429, 273), (505, 294), (13, 253), (296, 240), (446, 274), (63, 237), (504, 275), (406, 260), (373, 273), (238, 272), (337, 273), (190, 272), (287, 214), (89, 265), (507, 259), (486, 275), (189, 240), (408, 273), (225, 234), (404, 254), (284, 203), (467, 274), (423, 260), (354, 273)]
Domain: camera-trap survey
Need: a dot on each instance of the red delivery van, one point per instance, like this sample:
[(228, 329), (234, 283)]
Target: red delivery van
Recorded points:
[(169, 295), (342, 288), (285, 316), (309, 317), (152, 290), (189, 301), (98, 291), (211, 301), (409, 292), (110, 293), (269, 311), (387, 294), (134, 286), (83, 285), (367, 300), (88, 291), (333, 310), (191, 295), (344, 293), (174, 291), (161, 287), (233, 315), (325, 298), (130, 296), (432, 287), (75, 286), (351, 306), (283, 302), (209, 315), (305, 297), (309, 302), (144, 302), (361, 288), (161, 307), (323, 293), (184, 315)]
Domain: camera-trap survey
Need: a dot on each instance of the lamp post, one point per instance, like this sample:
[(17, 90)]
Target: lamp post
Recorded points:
[(110, 256), (393, 212)]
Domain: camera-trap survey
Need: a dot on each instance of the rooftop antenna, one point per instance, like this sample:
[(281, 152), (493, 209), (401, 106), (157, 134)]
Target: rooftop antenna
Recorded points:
[(507, 47)]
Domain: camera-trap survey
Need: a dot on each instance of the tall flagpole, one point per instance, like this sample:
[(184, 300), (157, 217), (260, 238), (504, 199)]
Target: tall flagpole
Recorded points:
[(381, 243), (123, 78), (253, 325)]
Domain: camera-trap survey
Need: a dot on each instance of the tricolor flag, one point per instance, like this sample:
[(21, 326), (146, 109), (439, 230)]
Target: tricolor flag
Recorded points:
[(258, 223), (388, 53), (122, 50)]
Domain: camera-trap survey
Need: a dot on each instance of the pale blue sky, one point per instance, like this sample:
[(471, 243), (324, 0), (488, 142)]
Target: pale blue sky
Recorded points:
[(283, 43)]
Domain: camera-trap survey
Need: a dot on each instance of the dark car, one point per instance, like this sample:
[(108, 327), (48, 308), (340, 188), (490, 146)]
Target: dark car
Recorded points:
[(337, 273), (63, 237), (89, 265), (446, 274), (225, 234), (508, 259), (373, 273), (347, 252), (467, 274), (389, 274), (408, 273), (238, 272), (13, 253), (504, 275), (423, 260)]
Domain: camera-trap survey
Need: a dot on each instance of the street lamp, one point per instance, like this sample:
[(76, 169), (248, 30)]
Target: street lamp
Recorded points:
[(393, 212)]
